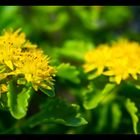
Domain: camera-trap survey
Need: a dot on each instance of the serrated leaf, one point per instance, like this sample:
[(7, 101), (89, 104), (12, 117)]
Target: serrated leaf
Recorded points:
[(57, 111), (18, 99), (68, 72), (93, 96), (132, 109)]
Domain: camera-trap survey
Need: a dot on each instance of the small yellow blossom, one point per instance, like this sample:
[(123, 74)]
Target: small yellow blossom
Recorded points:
[(11, 45), (16, 38), (34, 66), (120, 60), (19, 56), (96, 59), (3, 88)]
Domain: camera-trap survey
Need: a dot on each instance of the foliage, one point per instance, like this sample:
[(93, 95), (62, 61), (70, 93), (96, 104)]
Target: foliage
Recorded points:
[(85, 79), (132, 109)]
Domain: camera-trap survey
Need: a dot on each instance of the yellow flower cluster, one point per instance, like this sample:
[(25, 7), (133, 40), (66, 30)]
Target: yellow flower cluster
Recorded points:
[(20, 57), (120, 60)]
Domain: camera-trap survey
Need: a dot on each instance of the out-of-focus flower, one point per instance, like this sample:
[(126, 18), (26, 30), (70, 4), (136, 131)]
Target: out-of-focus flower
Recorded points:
[(120, 60)]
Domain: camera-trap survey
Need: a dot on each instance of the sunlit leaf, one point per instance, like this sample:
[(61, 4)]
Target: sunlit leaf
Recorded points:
[(132, 109), (68, 72), (18, 99), (75, 49), (116, 115), (93, 96)]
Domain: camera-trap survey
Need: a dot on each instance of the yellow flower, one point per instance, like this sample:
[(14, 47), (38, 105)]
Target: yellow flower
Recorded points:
[(19, 56), (3, 88), (11, 45), (34, 66), (16, 38), (120, 60), (96, 59), (8, 54)]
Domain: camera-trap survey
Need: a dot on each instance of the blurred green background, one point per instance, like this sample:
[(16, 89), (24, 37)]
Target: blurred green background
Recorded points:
[(65, 33)]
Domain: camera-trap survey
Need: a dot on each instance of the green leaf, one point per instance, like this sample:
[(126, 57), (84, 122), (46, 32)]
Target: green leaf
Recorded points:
[(57, 111), (109, 117), (50, 93), (75, 49), (21, 81), (132, 109), (116, 115), (93, 96), (18, 97), (103, 118), (68, 72), (119, 15)]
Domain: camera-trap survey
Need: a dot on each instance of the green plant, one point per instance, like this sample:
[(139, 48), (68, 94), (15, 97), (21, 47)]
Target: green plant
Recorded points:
[(82, 77)]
